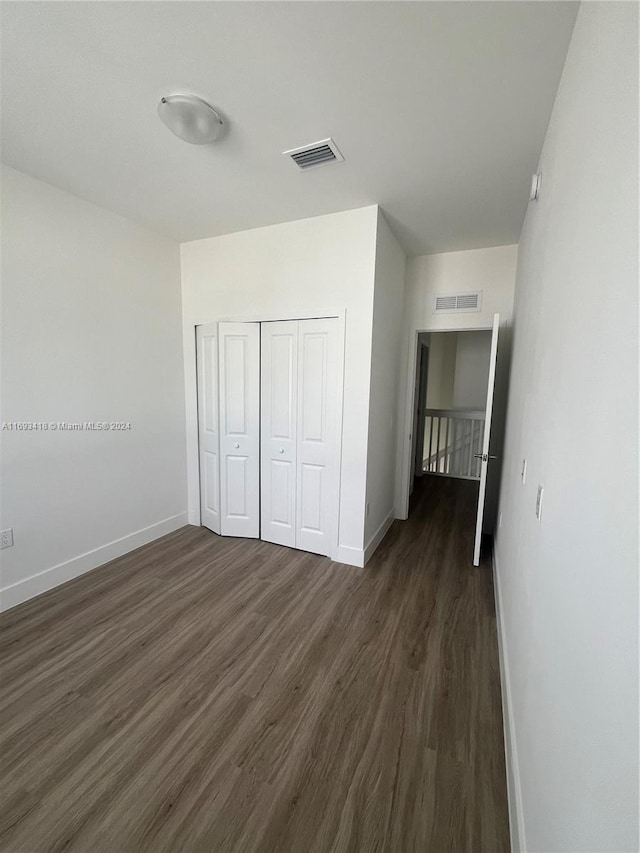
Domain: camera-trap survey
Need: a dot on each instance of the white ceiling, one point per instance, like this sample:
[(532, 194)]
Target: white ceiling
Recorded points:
[(439, 109)]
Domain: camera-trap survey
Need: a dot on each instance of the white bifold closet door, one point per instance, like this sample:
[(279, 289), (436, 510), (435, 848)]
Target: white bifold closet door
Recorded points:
[(299, 429), (239, 395), (207, 365), (279, 415)]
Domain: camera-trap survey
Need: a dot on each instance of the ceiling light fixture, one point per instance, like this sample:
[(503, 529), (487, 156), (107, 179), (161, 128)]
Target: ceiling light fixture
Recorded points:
[(190, 118)]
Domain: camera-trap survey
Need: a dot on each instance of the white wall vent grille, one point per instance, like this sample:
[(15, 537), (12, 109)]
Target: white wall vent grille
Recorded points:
[(316, 154), (458, 303)]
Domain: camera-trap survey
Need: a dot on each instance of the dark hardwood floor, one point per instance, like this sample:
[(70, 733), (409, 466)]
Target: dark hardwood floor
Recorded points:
[(206, 694)]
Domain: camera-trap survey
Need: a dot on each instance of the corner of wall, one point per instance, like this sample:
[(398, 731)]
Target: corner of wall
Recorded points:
[(514, 790), (386, 359)]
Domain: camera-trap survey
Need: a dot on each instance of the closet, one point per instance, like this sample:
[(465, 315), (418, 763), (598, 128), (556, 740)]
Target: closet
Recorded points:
[(269, 425)]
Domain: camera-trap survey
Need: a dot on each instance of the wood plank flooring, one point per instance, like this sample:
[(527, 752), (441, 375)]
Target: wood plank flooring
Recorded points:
[(205, 694)]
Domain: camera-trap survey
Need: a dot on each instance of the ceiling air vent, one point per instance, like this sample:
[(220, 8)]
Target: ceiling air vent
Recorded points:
[(458, 303), (316, 154)]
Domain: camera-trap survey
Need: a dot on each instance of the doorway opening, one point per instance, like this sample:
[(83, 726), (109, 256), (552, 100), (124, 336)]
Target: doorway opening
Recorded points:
[(453, 374), (452, 409)]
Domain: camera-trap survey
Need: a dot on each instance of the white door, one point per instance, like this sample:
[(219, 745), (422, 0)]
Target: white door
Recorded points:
[(208, 439), (484, 456), (317, 431), (239, 360), (279, 414)]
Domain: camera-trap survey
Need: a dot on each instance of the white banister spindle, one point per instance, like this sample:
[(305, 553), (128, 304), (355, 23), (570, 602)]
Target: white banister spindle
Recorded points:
[(446, 448), (434, 452), (456, 445), (430, 441)]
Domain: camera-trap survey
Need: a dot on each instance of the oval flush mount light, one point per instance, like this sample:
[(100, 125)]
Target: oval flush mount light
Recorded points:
[(190, 118)]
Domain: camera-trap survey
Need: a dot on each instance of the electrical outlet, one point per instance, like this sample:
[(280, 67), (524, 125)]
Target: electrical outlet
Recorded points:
[(523, 473), (539, 503), (6, 538)]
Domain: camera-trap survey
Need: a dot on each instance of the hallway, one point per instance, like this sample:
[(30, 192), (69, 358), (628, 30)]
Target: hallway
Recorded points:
[(207, 694)]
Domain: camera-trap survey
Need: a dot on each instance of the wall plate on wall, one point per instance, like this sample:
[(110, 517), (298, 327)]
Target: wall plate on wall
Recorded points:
[(534, 192), (539, 503)]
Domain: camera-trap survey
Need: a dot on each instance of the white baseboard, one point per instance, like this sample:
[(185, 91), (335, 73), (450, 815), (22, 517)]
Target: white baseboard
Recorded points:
[(35, 585), (350, 556), (378, 536), (514, 788)]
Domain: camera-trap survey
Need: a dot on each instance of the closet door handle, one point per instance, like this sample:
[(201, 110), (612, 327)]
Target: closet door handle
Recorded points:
[(236, 445), (282, 450)]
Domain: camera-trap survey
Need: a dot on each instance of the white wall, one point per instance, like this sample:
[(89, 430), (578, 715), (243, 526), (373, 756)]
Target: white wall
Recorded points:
[(568, 586), (490, 270), (90, 332), (458, 370), (442, 370), (384, 397), (308, 268), (473, 351)]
